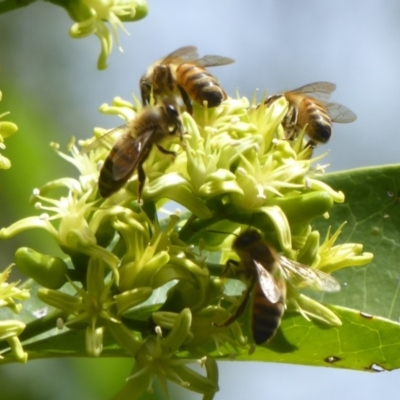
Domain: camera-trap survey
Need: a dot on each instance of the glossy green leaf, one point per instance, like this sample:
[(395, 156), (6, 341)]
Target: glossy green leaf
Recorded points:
[(372, 212), (361, 343)]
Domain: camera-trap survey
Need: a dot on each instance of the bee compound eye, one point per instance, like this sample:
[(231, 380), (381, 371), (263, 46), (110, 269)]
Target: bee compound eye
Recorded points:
[(172, 111)]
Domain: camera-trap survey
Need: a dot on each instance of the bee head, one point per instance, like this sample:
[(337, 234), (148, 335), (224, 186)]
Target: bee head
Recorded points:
[(172, 116), (246, 239)]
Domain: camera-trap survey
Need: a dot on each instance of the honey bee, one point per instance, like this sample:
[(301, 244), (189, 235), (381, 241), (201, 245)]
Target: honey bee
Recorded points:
[(182, 74), (309, 105), (266, 274), (150, 127)]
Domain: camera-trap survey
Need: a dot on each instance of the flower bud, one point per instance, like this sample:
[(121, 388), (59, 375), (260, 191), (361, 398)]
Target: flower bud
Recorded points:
[(309, 252), (313, 309), (46, 270), (132, 298), (179, 331), (63, 301), (301, 209), (125, 337), (94, 341), (17, 350)]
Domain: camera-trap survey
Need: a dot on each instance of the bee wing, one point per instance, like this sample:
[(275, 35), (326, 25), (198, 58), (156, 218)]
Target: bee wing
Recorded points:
[(105, 140), (303, 276), (184, 54), (129, 151), (267, 283), (340, 113), (318, 90), (214, 61)]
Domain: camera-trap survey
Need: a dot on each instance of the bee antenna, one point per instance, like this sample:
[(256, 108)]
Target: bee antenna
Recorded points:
[(222, 232)]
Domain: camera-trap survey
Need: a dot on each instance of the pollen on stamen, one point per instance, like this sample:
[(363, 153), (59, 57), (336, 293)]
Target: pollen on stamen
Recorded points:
[(158, 331), (202, 361), (241, 171), (190, 247), (36, 192), (38, 205), (235, 120), (256, 147), (55, 145), (60, 324), (261, 194), (44, 216)]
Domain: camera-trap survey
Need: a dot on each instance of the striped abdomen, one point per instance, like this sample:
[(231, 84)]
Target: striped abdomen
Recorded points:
[(200, 85), (266, 316), (314, 114)]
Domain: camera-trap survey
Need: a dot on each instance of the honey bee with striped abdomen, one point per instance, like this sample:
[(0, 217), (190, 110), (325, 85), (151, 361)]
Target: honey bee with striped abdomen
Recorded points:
[(183, 74), (150, 127), (266, 274), (309, 105)]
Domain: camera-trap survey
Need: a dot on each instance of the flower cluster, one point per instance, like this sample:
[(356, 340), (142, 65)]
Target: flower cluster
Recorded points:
[(136, 275), (10, 329), (6, 129)]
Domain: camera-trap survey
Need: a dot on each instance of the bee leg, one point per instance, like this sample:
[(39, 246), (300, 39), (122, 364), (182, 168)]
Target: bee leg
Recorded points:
[(145, 91), (186, 100), (239, 311), (165, 151), (141, 180), (228, 268)]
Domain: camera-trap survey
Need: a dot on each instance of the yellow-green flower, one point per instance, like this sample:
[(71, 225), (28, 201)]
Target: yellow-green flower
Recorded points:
[(92, 15), (333, 258), (158, 359), (6, 129), (10, 291), (10, 329)]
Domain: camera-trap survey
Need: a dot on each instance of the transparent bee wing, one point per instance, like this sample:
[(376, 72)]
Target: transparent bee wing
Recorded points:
[(105, 140), (317, 90), (267, 283), (340, 113), (183, 54), (214, 61), (303, 276), (128, 152)]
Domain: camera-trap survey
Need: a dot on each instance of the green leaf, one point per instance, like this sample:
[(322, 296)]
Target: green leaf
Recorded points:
[(366, 344), (372, 212)]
